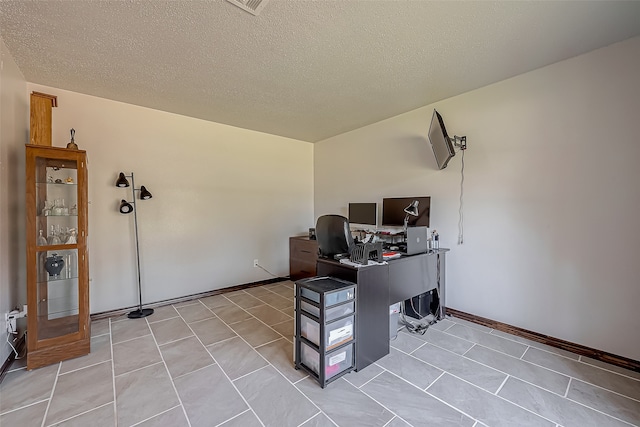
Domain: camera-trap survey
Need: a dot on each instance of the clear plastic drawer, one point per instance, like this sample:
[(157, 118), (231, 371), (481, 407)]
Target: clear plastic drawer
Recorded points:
[(335, 362), (335, 333), (331, 298), (330, 313)]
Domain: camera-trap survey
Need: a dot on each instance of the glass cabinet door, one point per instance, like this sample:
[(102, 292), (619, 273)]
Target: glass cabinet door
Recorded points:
[(57, 250)]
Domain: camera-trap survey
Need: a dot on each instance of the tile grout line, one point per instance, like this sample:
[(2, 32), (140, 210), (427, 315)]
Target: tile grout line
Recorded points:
[(483, 390), (578, 379), (312, 417), (255, 348), (462, 379), (502, 385), (175, 390), (22, 407), (270, 342), (263, 303), (234, 417), (385, 407), (113, 375), (272, 365), (533, 345), (514, 376), (84, 367), (223, 372), (527, 382), (175, 341), (127, 340), (597, 410), (137, 369), (391, 420), (162, 320), (156, 415), (55, 382), (213, 362), (81, 413), (249, 373), (566, 392), (368, 381)]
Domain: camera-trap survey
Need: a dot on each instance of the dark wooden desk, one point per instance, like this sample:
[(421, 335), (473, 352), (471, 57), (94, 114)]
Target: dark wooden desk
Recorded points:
[(379, 286)]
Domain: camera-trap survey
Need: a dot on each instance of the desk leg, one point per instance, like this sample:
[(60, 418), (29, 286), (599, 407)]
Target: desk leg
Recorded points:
[(441, 285)]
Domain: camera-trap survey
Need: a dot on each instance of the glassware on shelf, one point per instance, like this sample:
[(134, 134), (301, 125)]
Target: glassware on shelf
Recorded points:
[(42, 241), (46, 211), (72, 237), (70, 264), (62, 233), (73, 210), (53, 238), (58, 207)]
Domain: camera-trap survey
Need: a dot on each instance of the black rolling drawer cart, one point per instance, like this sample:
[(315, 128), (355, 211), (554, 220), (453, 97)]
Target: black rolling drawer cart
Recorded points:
[(325, 327)]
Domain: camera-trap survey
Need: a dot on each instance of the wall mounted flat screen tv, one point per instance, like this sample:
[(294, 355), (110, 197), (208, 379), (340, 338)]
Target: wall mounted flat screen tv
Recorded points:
[(393, 211), (440, 141), (363, 213)]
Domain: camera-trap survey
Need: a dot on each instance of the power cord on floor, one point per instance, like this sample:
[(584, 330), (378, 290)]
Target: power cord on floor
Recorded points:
[(259, 266), (11, 334), (423, 322)]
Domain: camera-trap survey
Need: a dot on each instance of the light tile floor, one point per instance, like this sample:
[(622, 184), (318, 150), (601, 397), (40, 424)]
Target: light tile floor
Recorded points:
[(225, 360)]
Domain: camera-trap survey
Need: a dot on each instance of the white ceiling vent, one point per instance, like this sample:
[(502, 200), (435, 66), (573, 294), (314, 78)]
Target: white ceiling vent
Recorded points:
[(254, 7)]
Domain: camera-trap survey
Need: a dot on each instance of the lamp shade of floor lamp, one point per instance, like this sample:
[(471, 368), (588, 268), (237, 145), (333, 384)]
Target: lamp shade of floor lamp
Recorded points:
[(127, 208)]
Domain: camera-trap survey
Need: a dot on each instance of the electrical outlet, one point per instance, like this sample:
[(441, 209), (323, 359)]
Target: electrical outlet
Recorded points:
[(7, 323), (255, 262)]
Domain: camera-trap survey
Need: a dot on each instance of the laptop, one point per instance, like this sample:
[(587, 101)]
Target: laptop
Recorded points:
[(417, 240)]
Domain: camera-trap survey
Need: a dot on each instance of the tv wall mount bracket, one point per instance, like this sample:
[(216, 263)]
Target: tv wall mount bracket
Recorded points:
[(459, 142)]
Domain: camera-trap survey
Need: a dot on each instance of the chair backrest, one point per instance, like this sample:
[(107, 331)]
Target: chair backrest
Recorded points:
[(333, 235)]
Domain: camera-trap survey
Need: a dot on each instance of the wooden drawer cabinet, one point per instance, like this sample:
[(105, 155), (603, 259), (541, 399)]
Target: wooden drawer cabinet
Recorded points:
[(303, 255)]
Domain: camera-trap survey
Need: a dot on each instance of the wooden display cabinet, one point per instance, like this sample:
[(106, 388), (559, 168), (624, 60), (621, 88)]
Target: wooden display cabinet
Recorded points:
[(57, 263)]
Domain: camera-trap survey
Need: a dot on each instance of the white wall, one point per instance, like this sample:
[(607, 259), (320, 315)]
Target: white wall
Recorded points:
[(14, 132), (551, 195), (222, 197)]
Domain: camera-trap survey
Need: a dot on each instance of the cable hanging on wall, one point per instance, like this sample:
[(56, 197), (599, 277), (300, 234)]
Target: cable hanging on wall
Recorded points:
[(461, 208)]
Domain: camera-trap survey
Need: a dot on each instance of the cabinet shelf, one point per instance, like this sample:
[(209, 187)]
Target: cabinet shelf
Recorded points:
[(64, 247), (59, 278), (59, 184)]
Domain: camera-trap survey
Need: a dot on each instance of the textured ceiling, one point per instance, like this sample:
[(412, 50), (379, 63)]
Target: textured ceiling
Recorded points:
[(307, 70)]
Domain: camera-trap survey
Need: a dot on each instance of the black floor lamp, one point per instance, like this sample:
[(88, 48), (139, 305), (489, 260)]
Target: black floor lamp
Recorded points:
[(127, 208)]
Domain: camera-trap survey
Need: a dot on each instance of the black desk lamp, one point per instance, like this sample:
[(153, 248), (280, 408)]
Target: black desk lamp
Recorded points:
[(127, 208), (411, 210)]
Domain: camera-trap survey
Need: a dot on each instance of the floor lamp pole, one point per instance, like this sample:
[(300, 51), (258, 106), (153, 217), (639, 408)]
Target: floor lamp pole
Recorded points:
[(140, 312)]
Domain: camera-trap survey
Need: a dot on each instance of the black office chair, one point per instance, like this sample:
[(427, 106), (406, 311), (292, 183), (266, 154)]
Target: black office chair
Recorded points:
[(334, 236)]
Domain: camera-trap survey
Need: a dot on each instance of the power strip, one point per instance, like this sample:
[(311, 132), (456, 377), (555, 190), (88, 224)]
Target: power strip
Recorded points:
[(11, 317)]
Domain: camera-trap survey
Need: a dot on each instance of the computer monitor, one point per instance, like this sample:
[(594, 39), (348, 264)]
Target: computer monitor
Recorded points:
[(363, 213), (333, 236), (393, 213)]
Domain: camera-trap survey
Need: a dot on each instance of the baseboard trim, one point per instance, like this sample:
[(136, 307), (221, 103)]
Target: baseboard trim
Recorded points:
[(12, 356), (593, 353), (121, 311)]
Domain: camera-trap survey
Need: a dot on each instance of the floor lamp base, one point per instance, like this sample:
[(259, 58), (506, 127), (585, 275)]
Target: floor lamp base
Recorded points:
[(140, 313)]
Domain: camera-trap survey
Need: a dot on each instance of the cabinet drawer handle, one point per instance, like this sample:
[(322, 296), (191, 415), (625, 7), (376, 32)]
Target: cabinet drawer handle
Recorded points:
[(306, 252)]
